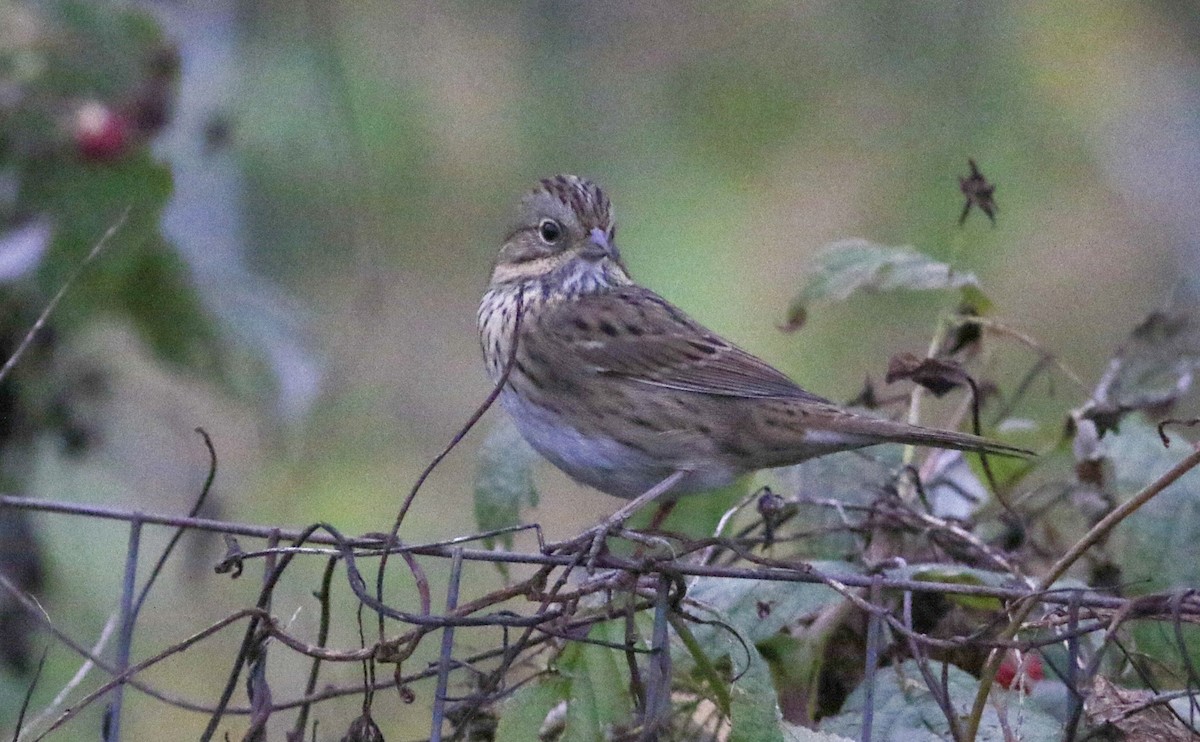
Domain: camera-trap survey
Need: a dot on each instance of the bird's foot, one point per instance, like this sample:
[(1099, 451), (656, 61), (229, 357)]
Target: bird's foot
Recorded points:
[(591, 543)]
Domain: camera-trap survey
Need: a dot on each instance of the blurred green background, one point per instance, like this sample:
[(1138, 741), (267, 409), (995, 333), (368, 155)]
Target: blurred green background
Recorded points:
[(344, 172)]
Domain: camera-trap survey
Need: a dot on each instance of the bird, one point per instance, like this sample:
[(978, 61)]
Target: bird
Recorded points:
[(625, 392)]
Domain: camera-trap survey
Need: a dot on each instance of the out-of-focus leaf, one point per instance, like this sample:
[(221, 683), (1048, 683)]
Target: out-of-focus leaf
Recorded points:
[(113, 56), (761, 608), (905, 710), (850, 266), (524, 715), (599, 686), (85, 200), (1153, 368), (138, 275), (793, 733), (753, 708), (1158, 547), (957, 575), (849, 478), (504, 480)]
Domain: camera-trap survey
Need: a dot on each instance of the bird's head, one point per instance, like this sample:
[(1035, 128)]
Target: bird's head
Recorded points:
[(565, 235)]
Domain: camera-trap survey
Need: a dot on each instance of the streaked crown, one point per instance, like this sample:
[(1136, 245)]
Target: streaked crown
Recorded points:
[(565, 234), (584, 198)]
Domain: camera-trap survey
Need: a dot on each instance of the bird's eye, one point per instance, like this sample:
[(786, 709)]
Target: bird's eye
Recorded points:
[(550, 231)]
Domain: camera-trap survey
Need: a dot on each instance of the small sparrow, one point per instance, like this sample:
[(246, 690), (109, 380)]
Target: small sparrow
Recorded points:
[(623, 391)]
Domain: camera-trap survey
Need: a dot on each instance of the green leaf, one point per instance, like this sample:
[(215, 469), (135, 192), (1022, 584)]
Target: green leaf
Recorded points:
[(503, 480), (524, 714), (754, 709), (852, 266), (851, 478), (774, 616), (1158, 547), (592, 679), (599, 686), (905, 711), (957, 575), (760, 609)]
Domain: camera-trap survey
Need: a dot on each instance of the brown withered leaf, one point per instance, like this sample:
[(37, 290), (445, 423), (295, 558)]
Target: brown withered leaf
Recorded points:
[(867, 398), (1151, 370), (937, 375), (979, 192), (1108, 703), (363, 729)]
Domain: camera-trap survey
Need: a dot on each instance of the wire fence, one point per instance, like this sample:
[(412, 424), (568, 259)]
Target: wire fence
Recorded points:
[(561, 599)]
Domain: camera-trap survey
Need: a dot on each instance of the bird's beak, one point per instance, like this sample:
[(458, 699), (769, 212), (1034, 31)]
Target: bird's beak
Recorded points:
[(598, 246)]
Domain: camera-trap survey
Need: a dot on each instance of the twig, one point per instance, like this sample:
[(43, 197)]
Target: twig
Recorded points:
[(40, 322), (509, 363), (323, 596), (776, 571), (1097, 533), (444, 661), (37, 675), (195, 509), (125, 636)]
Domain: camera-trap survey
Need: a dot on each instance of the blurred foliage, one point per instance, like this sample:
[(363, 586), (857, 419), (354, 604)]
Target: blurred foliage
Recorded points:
[(83, 89), (86, 87)]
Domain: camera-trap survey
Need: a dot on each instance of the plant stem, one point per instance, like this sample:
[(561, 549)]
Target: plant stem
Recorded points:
[(1091, 538)]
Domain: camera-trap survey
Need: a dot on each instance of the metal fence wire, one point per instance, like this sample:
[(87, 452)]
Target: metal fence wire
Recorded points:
[(529, 623)]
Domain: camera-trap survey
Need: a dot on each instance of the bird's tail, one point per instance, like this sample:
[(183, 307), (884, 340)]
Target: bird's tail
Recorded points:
[(898, 432)]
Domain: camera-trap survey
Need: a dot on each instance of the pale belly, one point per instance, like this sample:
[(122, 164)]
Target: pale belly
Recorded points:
[(603, 463)]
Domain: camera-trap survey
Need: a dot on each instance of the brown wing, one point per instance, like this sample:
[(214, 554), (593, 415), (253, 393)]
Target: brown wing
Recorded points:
[(634, 333)]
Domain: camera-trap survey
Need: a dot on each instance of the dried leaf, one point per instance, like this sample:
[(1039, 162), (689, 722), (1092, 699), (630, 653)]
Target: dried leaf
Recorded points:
[(1108, 703), (936, 375), (1152, 369), (979, 192), (363, 729)]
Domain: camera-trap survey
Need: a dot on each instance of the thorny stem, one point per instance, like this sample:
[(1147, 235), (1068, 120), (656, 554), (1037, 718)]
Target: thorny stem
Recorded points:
[(1091, 538)]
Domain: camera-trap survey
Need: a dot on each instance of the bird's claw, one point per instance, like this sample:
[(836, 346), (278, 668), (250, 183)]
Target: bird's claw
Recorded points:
[(588, 544), (591, 542)]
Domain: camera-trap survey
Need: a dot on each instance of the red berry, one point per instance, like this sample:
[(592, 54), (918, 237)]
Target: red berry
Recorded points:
[(101, 134), (1031, 671)]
